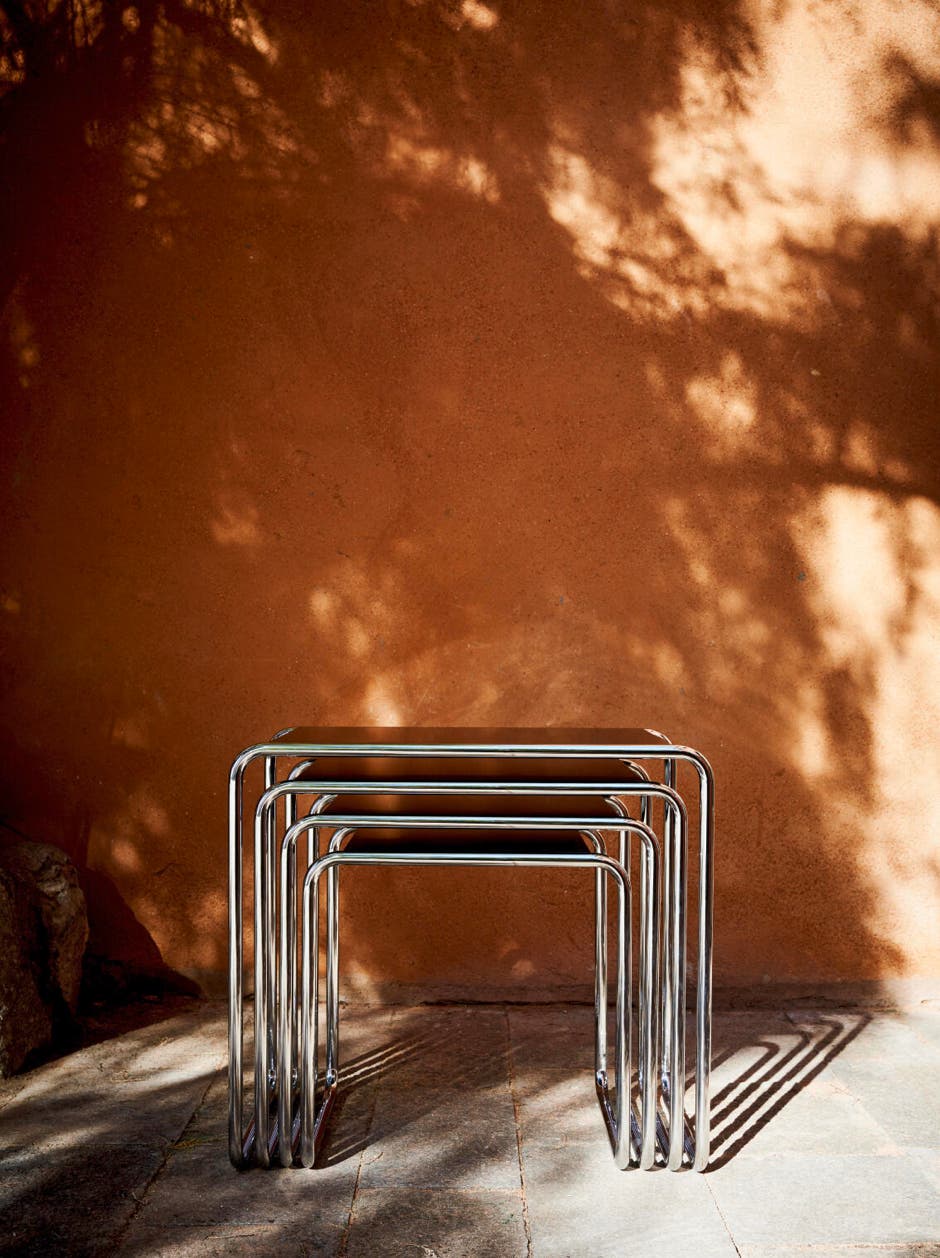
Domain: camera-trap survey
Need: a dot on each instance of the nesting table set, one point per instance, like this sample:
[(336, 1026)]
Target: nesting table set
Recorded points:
[(516, 798)]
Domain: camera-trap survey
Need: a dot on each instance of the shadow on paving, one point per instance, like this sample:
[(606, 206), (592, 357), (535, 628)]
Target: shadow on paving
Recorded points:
[(81, 1137), (123, 1147), (766, 1075)]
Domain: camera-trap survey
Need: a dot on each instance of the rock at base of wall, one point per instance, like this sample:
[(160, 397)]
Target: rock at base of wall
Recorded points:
[(43, 932)]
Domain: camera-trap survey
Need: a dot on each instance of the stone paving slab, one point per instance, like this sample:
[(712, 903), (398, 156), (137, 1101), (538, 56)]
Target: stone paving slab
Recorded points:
[(81, 1138), (138, 1089), (925, 1023), (71, 1202), (557, 1107), (929, 1162), (442, 1138), (552, 1036), (462, 1048), (827, 1199), (818, 1117), (886, 1035), (580, 1204), (418, 1223), (902, 1096), (198, 1187)]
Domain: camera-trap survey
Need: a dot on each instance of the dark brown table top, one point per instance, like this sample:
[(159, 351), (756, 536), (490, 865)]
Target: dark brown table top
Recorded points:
[(482, 736)]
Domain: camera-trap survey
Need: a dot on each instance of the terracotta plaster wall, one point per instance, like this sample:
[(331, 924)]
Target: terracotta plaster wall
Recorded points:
[(477, 363)]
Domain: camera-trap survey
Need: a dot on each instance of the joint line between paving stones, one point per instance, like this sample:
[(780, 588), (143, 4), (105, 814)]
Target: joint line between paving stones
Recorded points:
[(344, 1242), (722, 1217), (518, 1126), (120, 1234)]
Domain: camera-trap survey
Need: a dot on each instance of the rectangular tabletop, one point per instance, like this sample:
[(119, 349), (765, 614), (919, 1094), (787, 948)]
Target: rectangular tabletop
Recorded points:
[(482, 736)]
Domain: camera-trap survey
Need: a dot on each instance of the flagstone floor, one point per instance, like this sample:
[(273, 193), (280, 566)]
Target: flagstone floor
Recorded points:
[(473, 1130)]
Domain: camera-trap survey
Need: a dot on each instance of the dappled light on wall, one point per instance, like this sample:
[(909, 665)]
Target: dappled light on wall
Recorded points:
[(466, 363), (874, 565)]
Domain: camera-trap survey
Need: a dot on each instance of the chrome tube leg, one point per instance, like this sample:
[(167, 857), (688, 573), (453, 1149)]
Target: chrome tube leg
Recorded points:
[(705, 941), (624, 1034), (649, 1026), (288, 963), (600, 972), (676, 930), (262, 1042), (310, 976), (288, 904), (332, 975), (288, 1044), (289, 941), (646, 817), (310, 1120), (649, 959), (313, 852), (235, 963), (668, 837), (270, 937), (650, 893)]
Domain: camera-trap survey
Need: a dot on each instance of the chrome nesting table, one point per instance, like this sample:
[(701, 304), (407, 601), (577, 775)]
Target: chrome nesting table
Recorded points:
[(356, 771)]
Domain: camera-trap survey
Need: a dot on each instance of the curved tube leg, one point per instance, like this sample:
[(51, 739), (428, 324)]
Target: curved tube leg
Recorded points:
[(289, 1063), (650, 893), (649, 961), (677, 965), (288, 962), (290, 1032), (669, 775), (236, 1151), (332, 975), (313, 851), (600, 973), (311, 1123), (618, 1121), (667, 983), (624, 1040), (705, 941), (262, 1043), (289, 987), (271, 936), (309, 971)]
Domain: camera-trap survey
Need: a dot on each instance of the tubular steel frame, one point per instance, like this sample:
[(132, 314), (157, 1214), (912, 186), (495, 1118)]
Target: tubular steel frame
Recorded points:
[(616, 1113), (294, 786), (264, 1142), (673, 873)]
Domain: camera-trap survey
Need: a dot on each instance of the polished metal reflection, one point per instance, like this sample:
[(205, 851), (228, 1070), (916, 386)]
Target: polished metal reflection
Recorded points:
[(666, 753)]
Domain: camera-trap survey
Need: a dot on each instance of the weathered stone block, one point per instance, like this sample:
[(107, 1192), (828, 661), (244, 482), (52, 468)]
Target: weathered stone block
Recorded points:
[(25, 1020), (43, 932)]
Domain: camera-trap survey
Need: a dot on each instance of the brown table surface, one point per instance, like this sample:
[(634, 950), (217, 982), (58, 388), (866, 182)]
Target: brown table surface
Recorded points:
[(483, 736)]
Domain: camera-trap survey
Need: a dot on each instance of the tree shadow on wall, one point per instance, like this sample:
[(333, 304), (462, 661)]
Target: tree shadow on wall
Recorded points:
[(430, 364)]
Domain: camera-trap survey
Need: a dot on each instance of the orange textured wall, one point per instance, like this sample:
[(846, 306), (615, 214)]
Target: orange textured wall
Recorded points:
[(481, 363)]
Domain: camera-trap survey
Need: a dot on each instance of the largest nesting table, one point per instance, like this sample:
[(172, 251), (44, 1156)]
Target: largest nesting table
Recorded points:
[(325, 762)]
